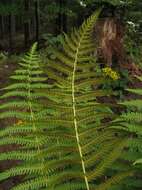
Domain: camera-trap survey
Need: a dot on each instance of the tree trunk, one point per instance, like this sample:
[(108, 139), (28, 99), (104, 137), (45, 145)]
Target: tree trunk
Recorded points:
[(37, 19), (64, 17), (61, 21), (13, 25), (27, 23), (10, 32), (110, 35), (2, 26)]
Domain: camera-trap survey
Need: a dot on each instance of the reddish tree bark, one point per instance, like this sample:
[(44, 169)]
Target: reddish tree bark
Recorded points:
[(110, 35)]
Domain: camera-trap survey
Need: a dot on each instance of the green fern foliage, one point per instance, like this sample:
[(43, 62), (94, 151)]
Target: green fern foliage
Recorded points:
[(87, 143), (131, 123), (66, 144), (21, 106)]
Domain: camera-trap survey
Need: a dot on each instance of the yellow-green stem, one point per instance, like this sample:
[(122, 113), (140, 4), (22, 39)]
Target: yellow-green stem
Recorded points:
[(75, 120)]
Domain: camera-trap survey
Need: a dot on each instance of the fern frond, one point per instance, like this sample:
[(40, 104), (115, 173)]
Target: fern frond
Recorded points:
[(68, 141), (114, 180), (133, 117), (130, 123), (135, 91), (133, 104), (99, 170), (139, 161), (26, 130), (73, 81)]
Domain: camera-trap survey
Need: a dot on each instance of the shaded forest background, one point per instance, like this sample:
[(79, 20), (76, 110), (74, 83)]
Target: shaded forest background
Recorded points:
[(25, 21)]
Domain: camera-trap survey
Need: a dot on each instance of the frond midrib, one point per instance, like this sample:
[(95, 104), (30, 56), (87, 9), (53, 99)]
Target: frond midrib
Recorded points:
[(30, 104), (75, 115)]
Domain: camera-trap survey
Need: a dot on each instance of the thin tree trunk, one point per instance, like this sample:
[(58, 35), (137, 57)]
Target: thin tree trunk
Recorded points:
[(2, 26), (58, 20), (61, 21), (13, 25), (10, 32), (27, 23), (37, 19), (64, 17)]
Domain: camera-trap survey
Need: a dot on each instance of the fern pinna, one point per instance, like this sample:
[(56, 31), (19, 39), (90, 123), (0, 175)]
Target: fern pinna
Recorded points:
[(131, 123), (67, 143)]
